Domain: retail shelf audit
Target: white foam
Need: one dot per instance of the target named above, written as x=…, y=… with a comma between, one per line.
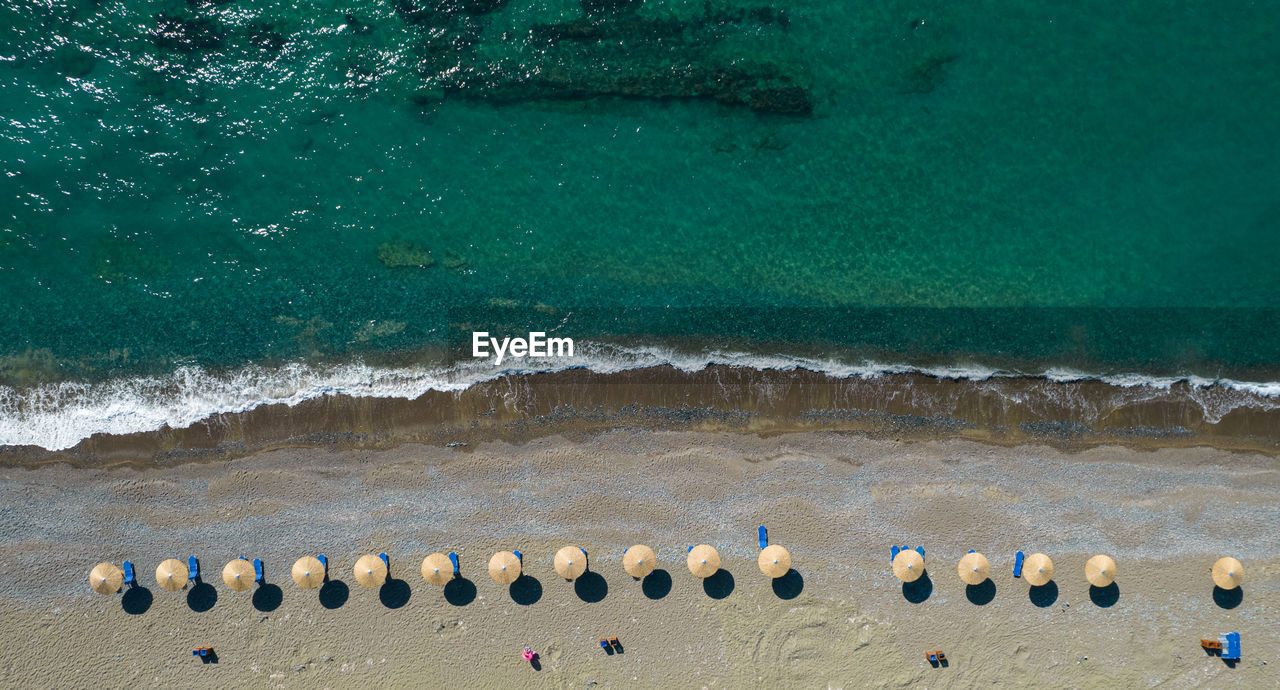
x=58, y=416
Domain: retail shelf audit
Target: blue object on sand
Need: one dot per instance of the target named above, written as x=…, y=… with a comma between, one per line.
x=920, y=550
x=764, y=537
x=128, y=574
x=325, y=563
x=893, y=553
x=257, y=570
x=385, y=562
x=604, y=644
x=193, y=568
x=690, y=548
x=1230, y=646
x=1017, y=564
x=972, y=551
x=519, y=556
x=204, y=651
x=453, y=558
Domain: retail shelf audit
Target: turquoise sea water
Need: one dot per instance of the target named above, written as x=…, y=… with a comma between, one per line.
x=1094, y=186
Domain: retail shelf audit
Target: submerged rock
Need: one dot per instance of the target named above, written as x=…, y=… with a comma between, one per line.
x=404, y=254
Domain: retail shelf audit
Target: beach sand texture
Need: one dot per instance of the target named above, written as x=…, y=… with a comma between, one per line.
x=836, y=501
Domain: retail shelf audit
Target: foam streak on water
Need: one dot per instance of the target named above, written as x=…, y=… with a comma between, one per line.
x=57, y=416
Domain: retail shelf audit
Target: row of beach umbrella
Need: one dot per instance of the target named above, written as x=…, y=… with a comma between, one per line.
x=1037, y=569
x=570, y=562
x=505, y=567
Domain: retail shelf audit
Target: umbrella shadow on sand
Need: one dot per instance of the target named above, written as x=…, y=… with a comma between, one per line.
x=982, y=593
x=788, y=586
x=202, y=597
x=460, y=591
x=591, y=587
x=267, y=597
x=394, y=593
x=1104, y=597
x=719, y=585
x=1044, y=595
x=1227, y=598
x=918, y=591
x=136, y=600
x=656, y=584
x=334, y=593
x=526, y=590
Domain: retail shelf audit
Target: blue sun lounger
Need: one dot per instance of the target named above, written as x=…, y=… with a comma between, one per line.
x=1017, y=564
x=519, y=556
x=128, y=574
x=893, y=552
x=193, y=569
x=764, y=537
x=453, y=558
x=257, y=570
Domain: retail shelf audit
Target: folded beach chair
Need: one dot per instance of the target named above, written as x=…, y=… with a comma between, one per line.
x=193, y=569
x=453, y=558
x=325, y=563
x=1017, y=564
x=1230, y=646
x=764, y=537
x=385, y=562
x=893, y=553
x=920, y=550
x=1211, y=644
x=519, y=556
x=257, y=570
x=604, y=644
x=128, y=574
x=932, y=657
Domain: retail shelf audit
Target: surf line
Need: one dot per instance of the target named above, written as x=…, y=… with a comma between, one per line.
x=537, y=345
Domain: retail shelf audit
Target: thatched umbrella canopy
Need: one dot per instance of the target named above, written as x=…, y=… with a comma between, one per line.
x=1100, y=570
x=908, y=565
x=703, y=561
x=106, y=578
x=639, y=561
x=172, y=575
x=571, y=562
x=437, y=569
x=1037, y=569
x=774, y=561
x=238, y=575
x=974, y=568
x=370, y=571
x=1228, y=573
x=504, y=567
x=308, y=572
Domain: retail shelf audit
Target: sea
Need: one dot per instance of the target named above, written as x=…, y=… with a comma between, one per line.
x=208, y=206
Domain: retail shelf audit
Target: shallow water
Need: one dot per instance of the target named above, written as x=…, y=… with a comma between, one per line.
x=980, y=184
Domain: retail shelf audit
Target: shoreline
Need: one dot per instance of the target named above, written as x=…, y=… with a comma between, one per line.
x=1003, y=411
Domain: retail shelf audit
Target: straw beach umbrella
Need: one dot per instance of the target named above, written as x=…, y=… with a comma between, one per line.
x=1038, y=569
x=437, y=569
x=1228, y=573
x=908, y=565
x=974, y=568
x=1100, y=571
x=504, y=567
x=308, y=572
x=571, y=562
x=370, y=571
x=774, y=561
x=106, y=578
x=171, y=575
x=238, y=575
x=639, y=561
x=703, y=561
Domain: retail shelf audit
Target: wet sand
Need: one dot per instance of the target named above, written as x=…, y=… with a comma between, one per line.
x=1068, y=415
x=836, y=500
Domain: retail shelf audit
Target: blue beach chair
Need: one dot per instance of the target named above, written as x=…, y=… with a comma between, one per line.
x=893, y=553
x=1230, y=646
x=193, y=568
x=324, y=562
x=920, y=550
x=385, y=562
x=129, y=581
x=764, y=537
x=519, y=556
x=1017, y=564
x=257, y=570
x=453, y=558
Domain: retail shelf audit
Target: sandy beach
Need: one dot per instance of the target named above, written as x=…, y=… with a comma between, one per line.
x=837, y=501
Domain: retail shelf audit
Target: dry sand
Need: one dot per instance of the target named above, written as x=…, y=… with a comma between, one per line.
x=837, y=501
